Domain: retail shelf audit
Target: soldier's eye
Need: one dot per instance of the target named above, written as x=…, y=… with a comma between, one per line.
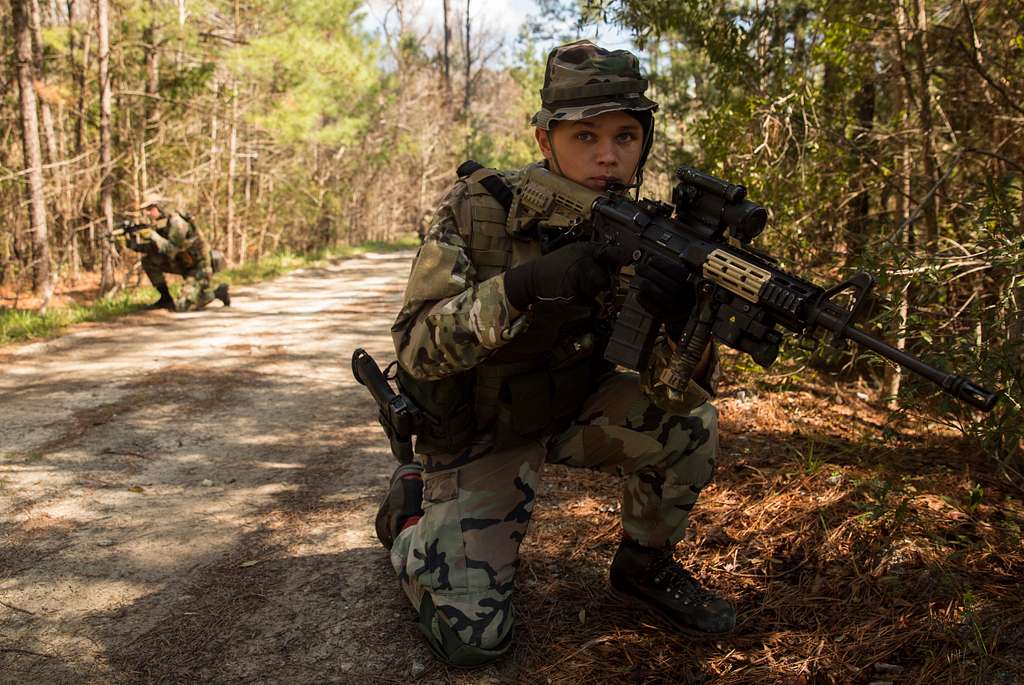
x=626, y=137
x=584, y=136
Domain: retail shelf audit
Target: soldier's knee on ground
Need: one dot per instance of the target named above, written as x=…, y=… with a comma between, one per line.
x=444, y=641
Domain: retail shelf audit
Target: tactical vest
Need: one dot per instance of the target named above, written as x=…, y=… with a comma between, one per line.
x=540, y=378
x=194, y=248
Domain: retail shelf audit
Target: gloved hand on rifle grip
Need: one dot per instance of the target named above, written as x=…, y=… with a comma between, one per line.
x=663, y=290
x=573, y=273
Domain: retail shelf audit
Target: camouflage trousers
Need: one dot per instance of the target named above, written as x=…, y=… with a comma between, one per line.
x=196, y=292
x=457, y=564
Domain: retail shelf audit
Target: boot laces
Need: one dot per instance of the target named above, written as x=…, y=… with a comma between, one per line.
x=673, y=579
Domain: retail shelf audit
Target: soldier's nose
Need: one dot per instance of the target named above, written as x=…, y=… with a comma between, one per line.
x=606, y=154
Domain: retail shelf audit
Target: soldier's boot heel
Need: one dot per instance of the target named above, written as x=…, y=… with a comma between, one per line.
x=222, y=294
x=651, y=578
x=403, y=500
x=165, y=301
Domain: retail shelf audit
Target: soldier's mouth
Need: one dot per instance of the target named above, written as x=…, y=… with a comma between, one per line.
x=601, y=182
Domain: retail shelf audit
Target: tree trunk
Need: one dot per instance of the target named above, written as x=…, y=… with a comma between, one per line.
x=151, y=103
x=107, y=183
x=468, y=56
x=232, y=171
x=447, y=63
x=80, y=78
x=246, y=210
x=49, y=138
x=466, y=94
x=33, y=158
x=214, y=171
x=904, y=205
x=53, y=156
x=151, y=37
x=860, y=208
x=924, y=99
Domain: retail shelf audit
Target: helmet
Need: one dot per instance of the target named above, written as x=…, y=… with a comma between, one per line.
x=582, y=80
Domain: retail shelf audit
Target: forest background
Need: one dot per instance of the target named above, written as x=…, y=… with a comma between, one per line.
x=883, y=135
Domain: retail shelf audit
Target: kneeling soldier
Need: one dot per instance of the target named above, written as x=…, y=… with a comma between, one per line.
x=175, y=245
x=500, y=341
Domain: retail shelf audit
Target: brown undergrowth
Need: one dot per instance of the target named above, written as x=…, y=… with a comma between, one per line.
x=856, y=551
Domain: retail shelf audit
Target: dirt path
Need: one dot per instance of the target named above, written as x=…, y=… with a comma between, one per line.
x=189, y=497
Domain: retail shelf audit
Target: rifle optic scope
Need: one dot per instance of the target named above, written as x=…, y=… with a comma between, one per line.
x=718, y=203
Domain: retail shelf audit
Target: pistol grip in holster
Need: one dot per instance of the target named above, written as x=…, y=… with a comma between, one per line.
x=401, y=446
x=397, y=414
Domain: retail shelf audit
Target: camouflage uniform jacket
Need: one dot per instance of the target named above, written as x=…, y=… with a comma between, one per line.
x=178, y=239
x=455, y=315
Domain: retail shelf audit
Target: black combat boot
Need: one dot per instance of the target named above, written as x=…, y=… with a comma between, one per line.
x=222, y=294
x=403, y=501
x=652, y=578
x=165, y=301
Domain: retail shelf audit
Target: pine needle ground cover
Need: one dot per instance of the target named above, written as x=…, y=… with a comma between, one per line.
x=856, y=552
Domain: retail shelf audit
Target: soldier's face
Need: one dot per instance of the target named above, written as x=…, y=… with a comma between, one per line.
x=152, y=211
x=595, y=151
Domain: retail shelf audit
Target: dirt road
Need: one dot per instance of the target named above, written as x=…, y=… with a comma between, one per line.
x=189, y=497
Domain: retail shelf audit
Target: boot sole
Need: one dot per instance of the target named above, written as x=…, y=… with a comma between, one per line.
x=633, y=601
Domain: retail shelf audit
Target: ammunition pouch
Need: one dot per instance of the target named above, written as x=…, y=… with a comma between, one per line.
x=534, y=401
x=447, y=422
x=517, y=401
x=185, y=258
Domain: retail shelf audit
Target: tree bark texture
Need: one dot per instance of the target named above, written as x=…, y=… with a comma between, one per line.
x=447, y=62
x=107, y=183
x=31, y=149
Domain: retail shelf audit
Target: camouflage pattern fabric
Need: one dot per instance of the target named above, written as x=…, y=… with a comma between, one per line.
x=464, y=550
x=457, y=563
x=196, y=291
x=583, y=80
x=176, y=247
x=453, y=320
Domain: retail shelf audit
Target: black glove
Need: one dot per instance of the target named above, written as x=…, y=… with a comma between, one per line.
x=573, y=273
x=665, y=293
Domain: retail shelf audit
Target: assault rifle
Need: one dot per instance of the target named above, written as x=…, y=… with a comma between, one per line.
x=125, y=229
x=743, y=297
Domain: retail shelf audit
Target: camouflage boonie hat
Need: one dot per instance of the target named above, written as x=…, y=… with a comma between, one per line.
x=152, y=199
x=583, y=80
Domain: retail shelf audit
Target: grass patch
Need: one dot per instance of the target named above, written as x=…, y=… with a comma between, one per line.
x=25, y=324
x=282, y=263
x=17, y=325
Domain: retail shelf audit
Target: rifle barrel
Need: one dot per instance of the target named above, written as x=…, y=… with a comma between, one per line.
x=958, y=386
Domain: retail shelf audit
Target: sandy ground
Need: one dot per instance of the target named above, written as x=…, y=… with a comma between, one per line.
x=189, y=497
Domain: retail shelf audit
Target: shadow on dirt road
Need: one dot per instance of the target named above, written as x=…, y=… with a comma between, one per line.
x=190, y=497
